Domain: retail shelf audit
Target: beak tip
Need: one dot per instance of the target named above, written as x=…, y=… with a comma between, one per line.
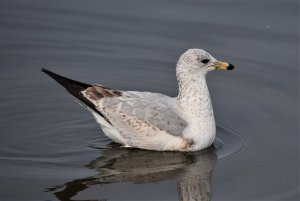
x=230, y=67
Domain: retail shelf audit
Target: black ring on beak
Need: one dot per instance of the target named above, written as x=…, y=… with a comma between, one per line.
x=230, y=67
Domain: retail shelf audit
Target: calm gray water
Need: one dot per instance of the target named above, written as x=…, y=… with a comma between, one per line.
x=52, y=149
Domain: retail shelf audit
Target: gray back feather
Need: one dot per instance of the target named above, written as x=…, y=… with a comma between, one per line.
x=152, y=108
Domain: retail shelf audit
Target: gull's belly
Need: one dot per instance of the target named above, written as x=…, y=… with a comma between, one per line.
x=202, y=133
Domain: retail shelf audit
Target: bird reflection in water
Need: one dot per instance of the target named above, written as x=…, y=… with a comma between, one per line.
x=192, y=171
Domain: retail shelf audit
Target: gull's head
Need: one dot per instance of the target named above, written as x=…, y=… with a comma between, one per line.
x=198, y=60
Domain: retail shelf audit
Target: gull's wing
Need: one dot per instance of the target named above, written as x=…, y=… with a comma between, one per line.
x=143, y=119
x=154, y=109
x=139, y=119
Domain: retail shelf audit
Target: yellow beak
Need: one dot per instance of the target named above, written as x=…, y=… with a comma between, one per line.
x=222, y=65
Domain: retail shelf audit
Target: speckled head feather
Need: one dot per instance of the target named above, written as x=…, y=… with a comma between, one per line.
x=195, y=61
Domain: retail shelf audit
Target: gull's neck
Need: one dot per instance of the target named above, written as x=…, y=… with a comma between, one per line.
x=193, y=97
x=194, y=104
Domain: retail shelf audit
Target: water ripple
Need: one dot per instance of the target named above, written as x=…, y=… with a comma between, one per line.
x=230, y=143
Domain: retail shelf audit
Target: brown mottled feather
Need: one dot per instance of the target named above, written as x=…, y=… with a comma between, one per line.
x=97, y=92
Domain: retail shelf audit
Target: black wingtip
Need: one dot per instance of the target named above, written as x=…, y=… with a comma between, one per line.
x=48, y=72
x=66, y=82
x=53, y=75
x=44, y=70
x=75, y=88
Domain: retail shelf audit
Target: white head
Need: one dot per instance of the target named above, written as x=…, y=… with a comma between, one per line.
x=195, y=61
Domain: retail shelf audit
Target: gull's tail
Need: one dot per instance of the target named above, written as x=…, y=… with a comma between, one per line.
x=73, y=87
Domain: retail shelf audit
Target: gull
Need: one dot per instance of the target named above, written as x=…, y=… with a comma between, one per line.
x=154, y=121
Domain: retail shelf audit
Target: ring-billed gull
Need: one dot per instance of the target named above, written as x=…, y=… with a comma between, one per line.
x=151, y=120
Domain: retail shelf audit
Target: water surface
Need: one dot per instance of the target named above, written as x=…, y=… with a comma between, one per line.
x=52, y=149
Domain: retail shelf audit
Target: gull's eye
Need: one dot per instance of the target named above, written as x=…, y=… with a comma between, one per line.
x=205, y=61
